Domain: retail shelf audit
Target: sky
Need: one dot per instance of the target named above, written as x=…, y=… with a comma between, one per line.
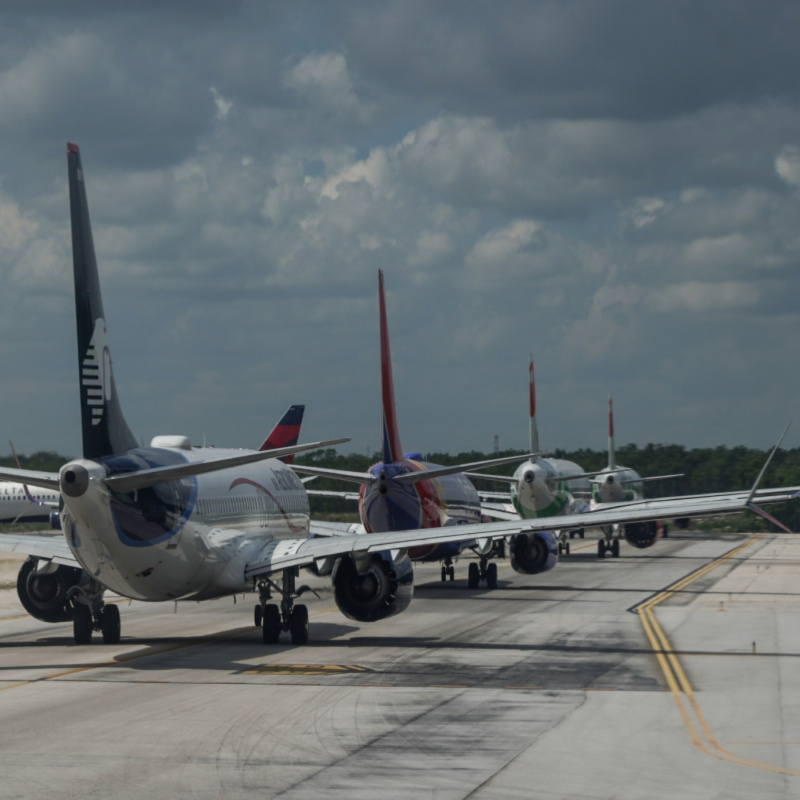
x=611, y=187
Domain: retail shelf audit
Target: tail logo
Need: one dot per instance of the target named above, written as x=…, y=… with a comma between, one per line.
x=96, y=372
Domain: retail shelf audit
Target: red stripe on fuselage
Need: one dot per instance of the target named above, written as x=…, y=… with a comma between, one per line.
x=248, y=482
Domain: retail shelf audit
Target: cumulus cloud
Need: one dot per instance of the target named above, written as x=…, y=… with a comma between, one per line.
x=787, y=165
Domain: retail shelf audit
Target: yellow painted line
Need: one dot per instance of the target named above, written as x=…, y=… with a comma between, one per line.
x=678, y=681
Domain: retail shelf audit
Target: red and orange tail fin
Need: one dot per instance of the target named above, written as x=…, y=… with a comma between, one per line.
x=392, y=449
x=286, y=432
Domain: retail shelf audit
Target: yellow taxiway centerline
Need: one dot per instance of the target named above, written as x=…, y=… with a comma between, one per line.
x=698, y=729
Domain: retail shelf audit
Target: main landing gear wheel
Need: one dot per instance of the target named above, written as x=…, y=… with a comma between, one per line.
x=451, y=572
x=258, y=615
x=288, y=617
x=298, y=625
x=271, y=624
x=82, y=624
x=615, y=548
x=473, y=575
x=491, y=576
x=444, y=574
x=601, y=548
x=110, y=625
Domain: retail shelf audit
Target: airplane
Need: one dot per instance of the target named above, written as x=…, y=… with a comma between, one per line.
x=616, y=484
x=19, y=504
x=404, y=492
x=541, y=487
x=170, y=522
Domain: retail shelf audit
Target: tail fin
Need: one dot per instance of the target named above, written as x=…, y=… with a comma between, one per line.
x=612, y=461
x=105, y=431
x=532, y=398
x=392, y=449
x=286, y=432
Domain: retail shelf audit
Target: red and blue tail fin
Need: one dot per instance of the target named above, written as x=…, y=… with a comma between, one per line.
x=392, y=449
x=105, y=431
x=286, y=432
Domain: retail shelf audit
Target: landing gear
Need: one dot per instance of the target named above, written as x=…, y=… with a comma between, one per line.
x=578, y=532
x=92, y=614
x=110, y=625
x=563, y=548
x=288, y=617
x=448, y=571
x=484, y=570
x=608, y=544
x=82, y=625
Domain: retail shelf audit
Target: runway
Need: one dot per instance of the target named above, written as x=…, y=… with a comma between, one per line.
x=591, y=681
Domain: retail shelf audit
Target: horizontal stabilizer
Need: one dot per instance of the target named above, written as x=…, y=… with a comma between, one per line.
x=130, y=481
x=654, y=478
x=336, y=474
x=426, y=475
x=45, y=480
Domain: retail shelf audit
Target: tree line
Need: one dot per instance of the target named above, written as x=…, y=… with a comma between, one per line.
x=708, y=469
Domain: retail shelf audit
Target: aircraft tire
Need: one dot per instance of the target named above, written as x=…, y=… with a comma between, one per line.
x=444, y=573
x=491, y=576
x=566, y=549
x=615, y=548
x=580, y=533
x=82, y=624
x=298, y=626
x=601, y=548
x=258, y=615
x=666, y=532
x=473, y=575
x=451, y=572
x=271, y=624
x=110, y=624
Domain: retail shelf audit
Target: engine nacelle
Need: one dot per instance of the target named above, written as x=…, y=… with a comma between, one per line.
x=45, y=592
x=380, y=589
x=642, y=534
x=532, y=553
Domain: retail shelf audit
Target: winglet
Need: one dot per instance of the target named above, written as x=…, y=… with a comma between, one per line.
x=766, y=464
x=286, y=432
x=749, y=503
x=105, y=431
x=392, y=449
x=534, y=448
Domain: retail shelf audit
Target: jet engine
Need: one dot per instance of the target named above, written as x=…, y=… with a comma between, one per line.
x=642, y=534
x=532, y=553
x=377, y=589
x=44, y=592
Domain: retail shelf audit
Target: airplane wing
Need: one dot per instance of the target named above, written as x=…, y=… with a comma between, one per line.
x=49, y=547
x=321, y=528
x=44, y=480
x=278, y=555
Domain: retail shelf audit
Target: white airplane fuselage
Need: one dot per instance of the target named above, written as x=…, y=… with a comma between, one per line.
x=539, y=490
x=622, y=485
x=15, y=504
x=185, y=539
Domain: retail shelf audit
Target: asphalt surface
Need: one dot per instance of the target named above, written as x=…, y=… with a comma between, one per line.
x=552, y=686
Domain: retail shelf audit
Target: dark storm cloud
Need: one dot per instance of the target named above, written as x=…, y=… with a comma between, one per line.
x=580, y=59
